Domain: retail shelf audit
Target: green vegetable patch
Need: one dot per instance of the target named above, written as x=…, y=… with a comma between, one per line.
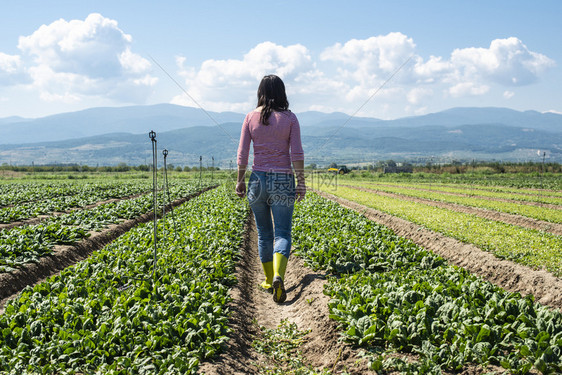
x=399, y=301
x=81, y=321
x=533, y=248
x=25, y=244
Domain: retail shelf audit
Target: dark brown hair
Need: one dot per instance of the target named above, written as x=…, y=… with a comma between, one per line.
x=271, y=97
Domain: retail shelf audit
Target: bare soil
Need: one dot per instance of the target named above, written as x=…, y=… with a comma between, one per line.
x=545, y=287
x=11, y=283
x=306, y=306
x=522, y=221
x=7, y=174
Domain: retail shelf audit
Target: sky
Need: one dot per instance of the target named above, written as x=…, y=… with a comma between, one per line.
x=383, y=59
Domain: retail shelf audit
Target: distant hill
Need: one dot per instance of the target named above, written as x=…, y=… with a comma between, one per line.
x=98, y=121
x=108, y=136
x=472, y=116
x=12, y=120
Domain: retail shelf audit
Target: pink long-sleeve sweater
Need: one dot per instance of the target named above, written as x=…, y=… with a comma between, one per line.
x=275, y=145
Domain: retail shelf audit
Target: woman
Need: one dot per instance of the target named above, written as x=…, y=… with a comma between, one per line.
x=275, y=132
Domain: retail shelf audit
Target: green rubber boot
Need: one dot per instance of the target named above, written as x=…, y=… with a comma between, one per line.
x=279, y=267
x=268, y=271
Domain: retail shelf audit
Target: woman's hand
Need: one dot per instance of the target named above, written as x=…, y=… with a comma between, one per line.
x=298, y=166
x=241, y=182
x=301, y=191
x=241, y=189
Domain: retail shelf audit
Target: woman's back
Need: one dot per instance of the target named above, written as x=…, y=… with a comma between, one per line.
x=276, y=145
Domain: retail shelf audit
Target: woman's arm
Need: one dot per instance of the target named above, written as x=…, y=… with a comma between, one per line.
x=242, y=157
x=297, y=156
x=298, y=166
x=241, y=182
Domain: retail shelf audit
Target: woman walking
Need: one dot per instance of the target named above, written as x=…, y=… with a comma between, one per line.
x=275, y=132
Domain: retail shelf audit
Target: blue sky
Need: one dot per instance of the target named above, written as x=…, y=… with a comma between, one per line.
x=60, y=56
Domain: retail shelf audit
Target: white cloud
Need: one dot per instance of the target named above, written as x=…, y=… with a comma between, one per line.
x=232, y=84
x=9, y=63
x=361, y=67
x=79, y=60
x=468, y=88
x=365, y=64
x=90, y=47
x=417, y=94
x=471, y=71
x=434, y=70
x=373, y=56
x=11, y=69
x=507, y=62
x=75, y=59
x=508, y=94
x=133, y=63
x=345, y=75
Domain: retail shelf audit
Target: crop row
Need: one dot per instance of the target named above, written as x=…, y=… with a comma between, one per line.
x=81, y=321
x=550, y=181
x=74, y=198
x=103, y=215
x=530, y=247
x=473, y=189
x=535, y=212
x=28, y=243
x=17, y=193
x=494, y=193
x=391, y=296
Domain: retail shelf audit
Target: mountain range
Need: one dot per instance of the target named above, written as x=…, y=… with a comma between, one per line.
x=109, y=136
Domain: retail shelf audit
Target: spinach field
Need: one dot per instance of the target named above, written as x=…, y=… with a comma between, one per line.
x=85, y=288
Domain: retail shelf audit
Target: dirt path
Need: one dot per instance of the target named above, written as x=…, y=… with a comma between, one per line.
x=11, y=283
x=306, y=306
x=528, y=203
x=522, y=221
x=511, y=276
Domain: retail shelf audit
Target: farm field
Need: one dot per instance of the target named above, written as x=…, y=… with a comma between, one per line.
x=539, y=206
x=23, y=200
x=80, y=320
x=392, y=296
x=484, y=208
x=526, y=245
x=397, y=306
x=26, y=243
x=506, y=181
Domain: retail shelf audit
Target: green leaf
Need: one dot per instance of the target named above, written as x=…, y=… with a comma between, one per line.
x=541, y=365
x=484, y=333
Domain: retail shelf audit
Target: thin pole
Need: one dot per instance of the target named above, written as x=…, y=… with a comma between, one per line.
x=542, y=169
x=164, y=234
x=152, y=136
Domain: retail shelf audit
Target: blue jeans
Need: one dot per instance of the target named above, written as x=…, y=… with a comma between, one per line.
x=272, y=194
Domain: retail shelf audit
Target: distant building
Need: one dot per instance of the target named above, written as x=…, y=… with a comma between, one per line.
x=398, y=168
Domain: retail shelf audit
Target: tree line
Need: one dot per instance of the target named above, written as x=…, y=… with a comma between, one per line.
x=121, y=167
